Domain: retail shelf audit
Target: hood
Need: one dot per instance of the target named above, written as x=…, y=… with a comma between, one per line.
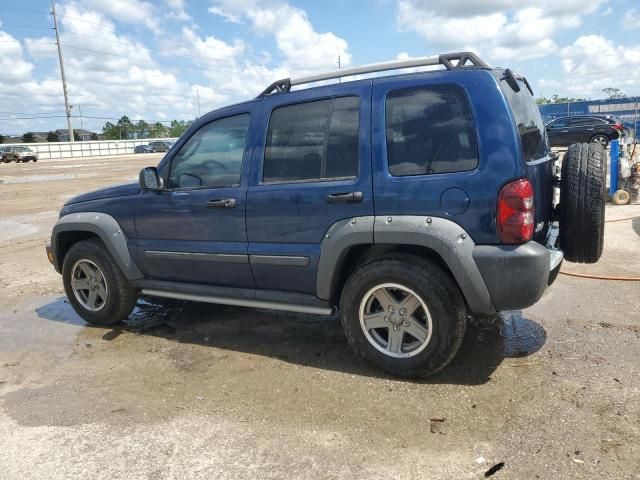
x=108, y=192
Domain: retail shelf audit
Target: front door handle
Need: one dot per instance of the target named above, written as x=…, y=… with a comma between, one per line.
x=347, y=197
x=222, y=203
x=564, y=131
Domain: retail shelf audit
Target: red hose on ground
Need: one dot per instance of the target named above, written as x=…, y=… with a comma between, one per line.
x=606, y=277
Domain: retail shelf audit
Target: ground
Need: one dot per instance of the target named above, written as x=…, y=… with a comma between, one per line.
x=201, y=391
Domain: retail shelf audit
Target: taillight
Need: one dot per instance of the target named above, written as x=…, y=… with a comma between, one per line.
x=617, y=126
x=515, y=212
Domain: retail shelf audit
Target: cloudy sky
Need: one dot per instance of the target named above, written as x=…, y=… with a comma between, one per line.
x=150, y=59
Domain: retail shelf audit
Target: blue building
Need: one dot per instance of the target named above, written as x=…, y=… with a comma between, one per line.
x=625, y=109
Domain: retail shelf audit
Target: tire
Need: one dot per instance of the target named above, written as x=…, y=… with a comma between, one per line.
x=582, y=202
x=121, y=297
x=600, y=139
x=432, y=286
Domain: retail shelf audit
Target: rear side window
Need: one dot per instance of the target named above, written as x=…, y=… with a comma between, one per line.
x=313, y=141
x=533, y=135
x=430, y=130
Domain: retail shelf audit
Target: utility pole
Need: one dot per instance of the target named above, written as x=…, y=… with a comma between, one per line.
x=64, y=81
x=198, y=94
x=339, y=66
x=81, y=124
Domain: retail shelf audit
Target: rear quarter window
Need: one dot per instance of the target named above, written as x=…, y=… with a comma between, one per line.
x=526, y=113
x=429, y=130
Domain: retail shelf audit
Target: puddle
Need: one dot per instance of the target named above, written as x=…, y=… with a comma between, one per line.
x=513, y=336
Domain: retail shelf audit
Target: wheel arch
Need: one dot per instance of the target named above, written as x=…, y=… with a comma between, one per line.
x=348, y=243
x=76, y=227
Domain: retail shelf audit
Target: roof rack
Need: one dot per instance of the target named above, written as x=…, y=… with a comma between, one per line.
x=451, y=61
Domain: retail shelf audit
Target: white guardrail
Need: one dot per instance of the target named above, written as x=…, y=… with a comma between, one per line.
x=90, y=148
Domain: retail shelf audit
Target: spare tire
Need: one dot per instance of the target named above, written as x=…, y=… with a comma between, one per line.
x=582, y=202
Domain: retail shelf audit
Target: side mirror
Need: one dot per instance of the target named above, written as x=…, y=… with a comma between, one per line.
x=149, y=179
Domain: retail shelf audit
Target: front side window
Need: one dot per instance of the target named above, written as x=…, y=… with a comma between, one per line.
x=212, y=157
x=429, y=130
x=313, y=141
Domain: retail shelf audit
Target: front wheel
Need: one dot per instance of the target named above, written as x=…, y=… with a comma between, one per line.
x=404, y=314
x=95, y=286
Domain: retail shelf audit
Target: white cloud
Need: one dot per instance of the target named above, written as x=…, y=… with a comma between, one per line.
x=127, y=11
x=500, y=29
x=594, y=62
x=13, y=66
x=631, y=19
x=303, y=48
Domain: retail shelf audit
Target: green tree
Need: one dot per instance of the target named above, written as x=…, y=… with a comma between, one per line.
x=178, y=127
x=52, y=136
x=141, y=129
x=555, y=98
x=158, y=130
x=126, y=127
x=1, y=138
x=77, y=135
x=110, y=131
x=613, y=93
x=28, y=138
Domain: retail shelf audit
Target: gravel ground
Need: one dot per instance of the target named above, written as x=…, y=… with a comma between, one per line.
x=184, y=390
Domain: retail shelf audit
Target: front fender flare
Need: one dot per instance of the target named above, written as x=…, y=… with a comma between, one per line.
x=107, y=229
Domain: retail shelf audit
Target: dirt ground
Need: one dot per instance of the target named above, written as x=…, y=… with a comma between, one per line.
x=186, y=390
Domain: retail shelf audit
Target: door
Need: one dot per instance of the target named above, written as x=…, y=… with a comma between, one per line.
x=194, y=230
x=558, y=131
x=580, y=129
x=312, y=170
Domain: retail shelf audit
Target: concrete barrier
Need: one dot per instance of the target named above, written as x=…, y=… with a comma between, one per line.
x=92, y=148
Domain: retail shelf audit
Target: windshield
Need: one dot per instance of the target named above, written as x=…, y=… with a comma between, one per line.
x=533, y=136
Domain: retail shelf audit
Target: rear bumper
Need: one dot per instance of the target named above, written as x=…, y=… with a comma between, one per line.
x=516, y=276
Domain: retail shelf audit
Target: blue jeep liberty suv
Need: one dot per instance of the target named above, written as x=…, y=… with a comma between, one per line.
x=408, y=202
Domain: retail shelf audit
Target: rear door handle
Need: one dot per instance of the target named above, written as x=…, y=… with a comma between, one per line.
x=589, y=129
x=347, y=197
x=564, y=131
x=222, y=203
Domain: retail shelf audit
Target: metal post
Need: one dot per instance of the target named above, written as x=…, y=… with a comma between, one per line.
x=198, y=94
x=339, y=67
x=615, y=166
x=81, y=124
x=64, y=81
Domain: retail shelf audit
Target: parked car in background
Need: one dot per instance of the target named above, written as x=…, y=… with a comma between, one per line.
x=19, y=154
x=160, y=146
x=600, y=129
x=143, y=149
x=2, y=150
x=391, y=199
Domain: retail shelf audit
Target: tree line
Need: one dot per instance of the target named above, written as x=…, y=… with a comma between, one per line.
x=123, y=129
x=610, y=92
x=126, y=129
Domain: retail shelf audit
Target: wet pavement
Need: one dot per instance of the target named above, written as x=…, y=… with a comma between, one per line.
x=186, y=390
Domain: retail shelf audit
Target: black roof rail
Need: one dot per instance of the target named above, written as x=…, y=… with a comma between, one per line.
x=451, y=61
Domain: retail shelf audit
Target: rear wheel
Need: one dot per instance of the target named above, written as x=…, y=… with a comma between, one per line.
x=95, y=286
x=582, y=202
x=600, y=140
x=403, y=314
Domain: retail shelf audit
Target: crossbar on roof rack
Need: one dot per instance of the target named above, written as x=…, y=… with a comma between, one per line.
x=451, y=61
